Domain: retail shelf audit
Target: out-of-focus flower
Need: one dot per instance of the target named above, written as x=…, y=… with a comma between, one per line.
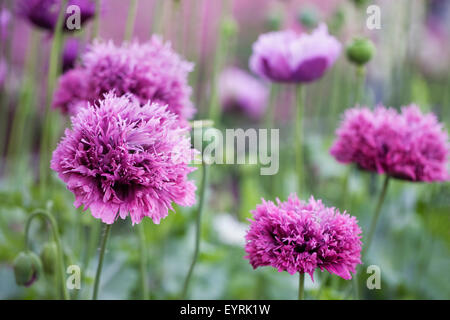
x=27, y=268
x=120, y=158
x=407, y=145
x=44, y=13
x=360, y=51
x=150, y=71
x=433, y=54
x=295, y=236
x=5, y=18
x=239, y=91
x=229, y=230
x=284, y=56
x=70, y=53
x=71, y=94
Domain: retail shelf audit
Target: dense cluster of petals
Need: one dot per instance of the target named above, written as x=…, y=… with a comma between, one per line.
x=406, y=145
x=121, y=158
x=297, y=236
x=151, y=71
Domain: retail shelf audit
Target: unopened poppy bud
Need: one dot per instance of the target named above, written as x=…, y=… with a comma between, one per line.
x=308, y=18
x=274, y=20
x=360, y=51
x=229, y=27
x=49, y=256
x=27, y=268
x=359, y=3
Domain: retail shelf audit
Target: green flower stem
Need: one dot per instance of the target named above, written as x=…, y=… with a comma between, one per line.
x=299, y=139
x=94, y=234
x=143, y=261
x=301, y=286
x=156, y=17
x=371, y=233
x=270, y=115
x=197, y=229
x=53, y=70
x=220, y=58
x=324, y=278
x=376, y=215
x=60, y=270
x=16, y=141
x=104, y=240
x=132, y=11
x=360, y=84
x=96, y=24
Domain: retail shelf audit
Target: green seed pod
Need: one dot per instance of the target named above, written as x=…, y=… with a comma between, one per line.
x=274, y=20
x=49, y=256
x=229, y=27
x=360, y=51
x=27, y=268
x=360, y=3
x=308, y=18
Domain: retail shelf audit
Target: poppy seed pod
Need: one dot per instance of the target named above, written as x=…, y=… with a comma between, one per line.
x=360, y=51
x=49, y=255
x=308, y=18
x=27, y=268
x=229, y=27
x=359, y=3
x=274, y=20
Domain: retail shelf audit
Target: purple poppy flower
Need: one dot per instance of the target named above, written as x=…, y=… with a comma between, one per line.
x=44, y=13
x=295, y=236
x=122, y=159
x=284, y=56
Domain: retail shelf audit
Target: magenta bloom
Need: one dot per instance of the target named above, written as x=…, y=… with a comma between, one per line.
x=71, y=94
x=44, y=13
x=240, y=92
x=295, y=236
x=70, y=53
x=5, y=19
x=284, y=56
x=120, y=158
x=150, y=71
x=407, y=145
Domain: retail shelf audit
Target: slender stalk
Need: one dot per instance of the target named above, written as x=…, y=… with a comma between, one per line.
x=360, y=85
x=94, y=233
x=220, y=58
x=355, y=286
x=18, y=128
x=322, y=285
x=143, y=261
x=54, y=66
x=130, y=20
x=60, y=260
x=301, y=286
x=197, y=229
x=156, y=16
x=299, y=139
x=270, y=115
x=376, y=214
x=100, y=260
x=96, y=24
